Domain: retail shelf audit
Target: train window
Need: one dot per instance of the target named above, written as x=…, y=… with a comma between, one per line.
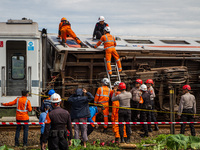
x=174, y=42
x=131, y=41
x=18, y=67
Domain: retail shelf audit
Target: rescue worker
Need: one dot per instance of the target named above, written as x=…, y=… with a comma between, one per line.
x=60, y=25
x=144, y=104
x=65, y=29
x=23, y=105
x=136, y=93
x=80, y=112
x=109, y=46
x=150, y=90
x=98, y=30
x=102, y=97
x=47, y=102
x=55, y=126
x=124, y=114
x=115, y=116
x=187, y=105
x=94, y=110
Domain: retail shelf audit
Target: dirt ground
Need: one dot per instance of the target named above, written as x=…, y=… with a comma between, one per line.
x=7, y=137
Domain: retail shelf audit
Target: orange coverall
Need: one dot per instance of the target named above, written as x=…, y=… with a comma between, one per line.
x=115, y=117
x=102, y=97
x=65, y=30
x=23, y=106
x=109, y=46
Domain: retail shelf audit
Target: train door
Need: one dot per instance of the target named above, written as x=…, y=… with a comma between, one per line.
x=16, y=67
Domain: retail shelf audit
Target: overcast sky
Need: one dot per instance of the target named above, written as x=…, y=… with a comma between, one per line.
x=179, y=18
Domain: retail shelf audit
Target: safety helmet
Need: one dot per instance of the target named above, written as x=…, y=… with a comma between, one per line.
x=186, y=87
x=101, y=18
x=117, y=83
x=143, y=87
x=63, y=18
x=51, y=92
x=139, y=81
x=105, y=81
x=122, y=86
x=149, y=81
x=107, y=29
x=55, y=98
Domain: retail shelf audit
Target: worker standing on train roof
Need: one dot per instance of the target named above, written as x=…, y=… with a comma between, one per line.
x=99, y=27
x=136, y=93
x=55, y=126
x=102, y=97
x=145, y=104
x=115, y=116
x=23, y=105
x=65, y=29
x=60, y=25
x=150, y=90
x=109, y=46
x=124, y=114
x=187, y=105
x=47, y=102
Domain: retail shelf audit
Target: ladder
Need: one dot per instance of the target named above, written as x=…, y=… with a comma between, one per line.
x=115, y=76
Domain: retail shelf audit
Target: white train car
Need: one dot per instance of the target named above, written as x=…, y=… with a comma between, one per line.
x=20, y=60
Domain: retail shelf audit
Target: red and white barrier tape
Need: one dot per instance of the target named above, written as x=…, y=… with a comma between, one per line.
x=100, y=123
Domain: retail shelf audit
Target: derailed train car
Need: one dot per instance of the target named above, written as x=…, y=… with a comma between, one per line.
x=36, y=61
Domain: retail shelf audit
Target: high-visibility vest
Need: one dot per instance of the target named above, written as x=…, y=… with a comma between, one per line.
x=25, y=108
x=102, y=95
x=141, y=100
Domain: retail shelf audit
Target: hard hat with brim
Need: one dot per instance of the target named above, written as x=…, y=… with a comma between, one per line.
x=55, y=98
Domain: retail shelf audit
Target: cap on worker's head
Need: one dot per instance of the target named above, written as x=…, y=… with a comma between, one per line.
x=143, y=87
x=139, y=81
x=55, y=98
x=51, y=92
x=101, y=106
x=63, y=18
x=101, y=18
x=117, y=83
x=107, y=29
x=149, y=81
x=105, y=81
x=24, y=92
x=186, y=87
x=122, y=86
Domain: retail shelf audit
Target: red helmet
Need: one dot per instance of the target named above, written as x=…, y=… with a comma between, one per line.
x=186, y=87
x=122, y=86
x=149, y=81
x=139, y=81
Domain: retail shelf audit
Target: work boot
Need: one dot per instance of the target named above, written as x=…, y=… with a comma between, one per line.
x=105, y=130
x=125, y=139
x=144, y=135
x=156, y=127
x=150, y=130
x=63, y=42
x=128, y=139
x=83, y=45
x=116, y=140
x=122, y=140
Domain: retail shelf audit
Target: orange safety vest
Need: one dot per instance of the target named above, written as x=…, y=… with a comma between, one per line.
x=102, y=95
x=23, y=106
x=141, y=100
x=109, y=41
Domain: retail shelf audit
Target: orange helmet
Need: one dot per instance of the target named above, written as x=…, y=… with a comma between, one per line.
x=186, y=87
x=63, y=18
x=149, y=81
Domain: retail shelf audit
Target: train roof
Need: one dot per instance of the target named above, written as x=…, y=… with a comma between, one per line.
x=134, y=43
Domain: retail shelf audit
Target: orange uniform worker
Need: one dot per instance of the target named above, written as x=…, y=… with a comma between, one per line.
x=60, y=25
x=115, y=116
x=65, y=29
x=109, y=46
x=102, y=97
x=23, y=106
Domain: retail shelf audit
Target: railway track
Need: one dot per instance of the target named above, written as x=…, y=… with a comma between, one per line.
x=37, y=127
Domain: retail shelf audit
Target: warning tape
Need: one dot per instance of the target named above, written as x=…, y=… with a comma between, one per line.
x=166, y=112
x=99, y=123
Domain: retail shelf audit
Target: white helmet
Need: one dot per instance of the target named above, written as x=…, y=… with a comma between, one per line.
x=105, y=81
x=143, y=87
x=116, y=83
x=101, y=18
x=55, y=98
x=107, y=29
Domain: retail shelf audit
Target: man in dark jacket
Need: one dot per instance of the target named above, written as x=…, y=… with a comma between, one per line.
x=80, y=112
x=98, y=30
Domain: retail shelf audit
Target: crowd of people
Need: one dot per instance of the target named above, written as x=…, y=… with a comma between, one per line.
x=57, y=127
